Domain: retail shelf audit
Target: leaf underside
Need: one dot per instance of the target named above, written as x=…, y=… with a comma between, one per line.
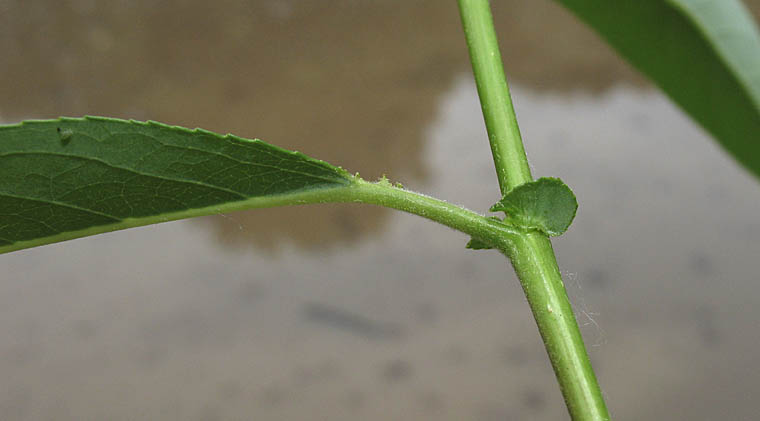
x=63, y=177
x=475, y=244
x=705, y=54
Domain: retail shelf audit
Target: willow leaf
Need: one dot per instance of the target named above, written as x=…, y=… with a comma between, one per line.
x=705, y=54
x=68, y=178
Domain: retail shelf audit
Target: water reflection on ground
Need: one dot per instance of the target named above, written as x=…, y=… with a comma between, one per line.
x=352, y=82
x=408, y=324
x=162, y=322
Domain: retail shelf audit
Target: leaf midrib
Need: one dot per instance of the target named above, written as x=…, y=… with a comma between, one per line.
x=167, y=178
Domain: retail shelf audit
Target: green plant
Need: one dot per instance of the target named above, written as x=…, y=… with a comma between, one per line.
x=75, y=152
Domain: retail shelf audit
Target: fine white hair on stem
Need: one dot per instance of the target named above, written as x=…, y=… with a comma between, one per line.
x=574, y=290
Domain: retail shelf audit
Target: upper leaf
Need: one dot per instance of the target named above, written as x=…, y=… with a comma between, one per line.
x=546, y=204
x=66, y=178
x=704, y=54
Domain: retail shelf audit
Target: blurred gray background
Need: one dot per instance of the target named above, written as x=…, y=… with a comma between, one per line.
x=355, y=312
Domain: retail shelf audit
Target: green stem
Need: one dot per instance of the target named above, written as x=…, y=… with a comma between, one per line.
x=536, y=266
x=503, y=133
x=532, y=255
x=498, y=234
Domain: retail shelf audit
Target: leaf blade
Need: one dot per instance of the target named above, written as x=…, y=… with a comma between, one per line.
x=734, y=35
x=546, y=205
x=66, y=178
x=704, y=55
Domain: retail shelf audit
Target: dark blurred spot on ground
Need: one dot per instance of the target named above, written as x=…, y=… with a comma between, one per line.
x=397, y=370
x=707, y=327
x=597, y=278
x=701, y=265
x=353, y=323
x=534, y=399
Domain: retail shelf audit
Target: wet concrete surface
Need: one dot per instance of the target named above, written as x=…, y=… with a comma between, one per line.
x=353, y=312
